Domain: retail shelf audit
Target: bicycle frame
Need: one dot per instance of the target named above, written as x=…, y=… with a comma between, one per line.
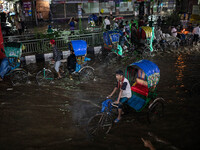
x=44, y=72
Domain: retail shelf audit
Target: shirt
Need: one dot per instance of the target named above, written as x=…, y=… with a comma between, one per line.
x=56, y=54
x=106, y=22
x=125, y=86
x=196, y=31
x=174, y=32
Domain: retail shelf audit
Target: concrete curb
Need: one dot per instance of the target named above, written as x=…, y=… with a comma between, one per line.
x=46, y=57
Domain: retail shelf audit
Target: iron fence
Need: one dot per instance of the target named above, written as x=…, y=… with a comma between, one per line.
x=42, y=45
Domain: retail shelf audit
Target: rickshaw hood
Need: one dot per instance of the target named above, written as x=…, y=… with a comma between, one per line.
x=79, y=47
x=147, y=66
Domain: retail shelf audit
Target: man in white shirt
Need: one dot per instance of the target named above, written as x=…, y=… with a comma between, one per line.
x=174, y=31
x=125, y=92
x=107, y=23
x=196, y=33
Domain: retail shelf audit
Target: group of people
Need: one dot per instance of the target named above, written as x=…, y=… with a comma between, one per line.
x=195, y=30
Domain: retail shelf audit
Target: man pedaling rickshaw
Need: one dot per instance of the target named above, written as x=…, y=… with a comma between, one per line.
x=125, y=89
x=124, y=94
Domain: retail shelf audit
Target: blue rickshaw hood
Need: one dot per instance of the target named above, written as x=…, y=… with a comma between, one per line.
x=79, y=47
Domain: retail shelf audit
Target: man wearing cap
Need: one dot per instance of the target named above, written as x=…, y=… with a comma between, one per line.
x=56, y=57
x=124, y=94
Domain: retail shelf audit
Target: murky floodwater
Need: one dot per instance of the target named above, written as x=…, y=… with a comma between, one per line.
x=54, y=117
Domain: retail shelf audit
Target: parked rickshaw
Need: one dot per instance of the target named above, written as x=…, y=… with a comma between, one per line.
x=13, y=51
x=146, y=36
x=111, y=49
x=144, y=76
x=82, y=70
x=92, y=20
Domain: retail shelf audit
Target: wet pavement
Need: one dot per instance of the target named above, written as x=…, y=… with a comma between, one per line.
x=55, y=116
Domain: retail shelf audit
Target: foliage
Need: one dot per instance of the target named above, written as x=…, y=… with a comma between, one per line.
x=54, y=35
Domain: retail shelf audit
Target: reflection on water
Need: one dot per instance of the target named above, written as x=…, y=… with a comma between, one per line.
x=180, y=67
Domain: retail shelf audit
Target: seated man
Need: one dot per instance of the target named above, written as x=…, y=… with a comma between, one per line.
x=124, y=94
x=71, y=63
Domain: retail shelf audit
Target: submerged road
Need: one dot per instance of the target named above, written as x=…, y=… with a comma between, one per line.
x=55, y=116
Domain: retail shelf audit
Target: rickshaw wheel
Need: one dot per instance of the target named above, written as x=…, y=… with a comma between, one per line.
x=44, y=77
x=18, y=77
x=156, y=111
x=111, y=58
x=86, y=74
x=146, y=52
x=99, y=125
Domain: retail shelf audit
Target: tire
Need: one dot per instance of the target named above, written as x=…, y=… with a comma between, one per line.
x=86, y=74
x=112, y=58
x=19, y=77
x=156, y=111
x=99, y=125
x=44, y=77
x=146, y=52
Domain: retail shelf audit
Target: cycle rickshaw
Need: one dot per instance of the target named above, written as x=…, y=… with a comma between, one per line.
x=143, y=75
x=13, y=51
x=146, y=36
x=111, y=49
x=82, y=70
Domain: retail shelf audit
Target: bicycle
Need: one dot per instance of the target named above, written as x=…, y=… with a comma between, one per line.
x=46, y=75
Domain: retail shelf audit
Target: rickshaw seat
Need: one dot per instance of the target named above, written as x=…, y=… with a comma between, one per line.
x=136, y=102
x=140, y=87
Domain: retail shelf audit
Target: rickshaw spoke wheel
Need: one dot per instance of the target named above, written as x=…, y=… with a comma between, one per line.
x=19, y=77
x=99, y=125
x=111, y=58
x=156, y=111
x=44, y=77
x=86, y=74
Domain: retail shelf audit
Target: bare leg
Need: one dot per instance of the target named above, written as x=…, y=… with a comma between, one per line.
x=119, y=114
x=59, y=76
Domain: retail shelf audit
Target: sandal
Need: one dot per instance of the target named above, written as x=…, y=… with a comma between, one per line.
x=117, y=120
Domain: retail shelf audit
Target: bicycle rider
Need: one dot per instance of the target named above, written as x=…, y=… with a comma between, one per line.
x=124, y=94
x=56, y=57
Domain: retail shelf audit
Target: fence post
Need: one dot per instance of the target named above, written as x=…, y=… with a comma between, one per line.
x=93, y=39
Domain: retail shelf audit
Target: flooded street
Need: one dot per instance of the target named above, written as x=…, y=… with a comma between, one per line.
x=55, y=116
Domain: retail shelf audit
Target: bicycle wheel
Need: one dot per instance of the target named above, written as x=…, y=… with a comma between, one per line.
x=156, y=111
x=112, y=58
x=99, y=125
x=18, y=77
x=44, y=76
x=86, y=74
x=146, y=52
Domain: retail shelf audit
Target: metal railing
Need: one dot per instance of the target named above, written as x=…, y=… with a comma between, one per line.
x=42, y=45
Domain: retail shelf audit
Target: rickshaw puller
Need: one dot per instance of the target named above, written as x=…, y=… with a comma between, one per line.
x=56, y=57
x=124, y=94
